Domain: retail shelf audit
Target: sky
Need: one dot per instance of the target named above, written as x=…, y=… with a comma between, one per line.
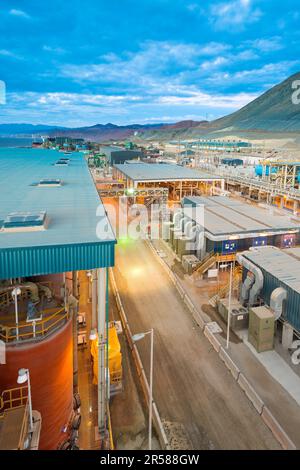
x=76, y=63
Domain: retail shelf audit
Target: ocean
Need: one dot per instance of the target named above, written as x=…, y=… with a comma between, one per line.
x=15, y=141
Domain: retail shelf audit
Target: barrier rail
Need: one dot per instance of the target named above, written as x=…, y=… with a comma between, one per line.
x=13, y=398
x=138, y=363
x=37, y=328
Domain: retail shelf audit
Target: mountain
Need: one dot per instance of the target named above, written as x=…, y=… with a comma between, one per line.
x=28, y=129
x=107, y=132
x=274, y=110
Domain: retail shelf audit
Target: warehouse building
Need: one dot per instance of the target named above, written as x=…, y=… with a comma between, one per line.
x=276, y=281
x=52, y=224
x=119, y=155
x=179, y=181
x=229, y=225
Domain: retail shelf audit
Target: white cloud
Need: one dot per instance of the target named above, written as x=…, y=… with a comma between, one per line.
x=7, y=53
x=55, y=50
x=19, y=13
x=234, y=15
x=266, y=44
x=152, y=59
x=233, y=101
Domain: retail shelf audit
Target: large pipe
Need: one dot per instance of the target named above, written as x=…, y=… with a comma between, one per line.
x=276, y=301
x=259, y=278
x=101, y=287
x=30, y=286
x=46, y=290
x=245, y=288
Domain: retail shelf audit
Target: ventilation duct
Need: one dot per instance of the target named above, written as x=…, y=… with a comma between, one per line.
x=257, y=286
x=276, y=301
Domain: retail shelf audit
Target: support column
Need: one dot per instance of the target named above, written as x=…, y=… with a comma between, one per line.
x=295, y=208
x=101, y=288
x=287, y=335
x=74, y=306
x=94, y=299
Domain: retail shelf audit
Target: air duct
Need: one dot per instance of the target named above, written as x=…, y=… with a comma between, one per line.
x=29, y=286
x=257, y=286
x=177, y=217
x=46, y=291
x=276, y=301
x=246, y=286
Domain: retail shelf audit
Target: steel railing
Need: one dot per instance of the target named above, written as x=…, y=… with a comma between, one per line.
x=35, y=329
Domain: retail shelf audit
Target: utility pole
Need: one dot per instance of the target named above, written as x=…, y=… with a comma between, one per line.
x=229, y=306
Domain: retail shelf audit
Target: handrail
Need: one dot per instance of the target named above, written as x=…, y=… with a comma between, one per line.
x=111, y=440
x=39, y=327
x=10, y=397
x=201, y=263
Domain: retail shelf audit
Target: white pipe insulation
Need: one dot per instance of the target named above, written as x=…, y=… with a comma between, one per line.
x=276, y=301
x=257, y=286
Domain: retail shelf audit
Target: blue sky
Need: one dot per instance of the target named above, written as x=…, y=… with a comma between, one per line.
x=124, y=61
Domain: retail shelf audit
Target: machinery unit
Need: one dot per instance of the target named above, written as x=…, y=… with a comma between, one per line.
x=166, y=227
x=174, y=235
x=261, y=328
x=183, y=246
x=189, y=263
x=239, y=315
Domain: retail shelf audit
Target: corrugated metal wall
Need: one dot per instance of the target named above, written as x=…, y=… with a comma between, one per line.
x=30, y=261
x=292, y=304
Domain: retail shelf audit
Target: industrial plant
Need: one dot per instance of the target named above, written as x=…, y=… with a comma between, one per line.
x=224, y=254
x=149, y=232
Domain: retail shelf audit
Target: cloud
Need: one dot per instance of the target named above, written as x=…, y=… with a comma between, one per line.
x=266, y=44
x=234, y=15
x=19, y=13
x=231, y=101
x=265, y=76
x=55, y=50
x=7, y=53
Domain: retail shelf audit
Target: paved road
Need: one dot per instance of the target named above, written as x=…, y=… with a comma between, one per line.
x=195, y=393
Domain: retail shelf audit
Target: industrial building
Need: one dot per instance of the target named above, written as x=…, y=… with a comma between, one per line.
x=119, y=155
x=52, y=224
x=275, y=279
x=227, y=219
x=179, y=181
x=224, y=226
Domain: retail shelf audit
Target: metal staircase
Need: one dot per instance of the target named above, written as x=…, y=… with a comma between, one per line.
x=224, y=291
x=205, y=264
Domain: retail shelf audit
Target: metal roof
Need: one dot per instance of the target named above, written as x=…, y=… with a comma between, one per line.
x=162, y=172
x=224, y=216
x=281, y=264
x=70, y=241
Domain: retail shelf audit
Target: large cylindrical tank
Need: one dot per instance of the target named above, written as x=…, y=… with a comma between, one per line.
x=50, y=363
x=259, y=170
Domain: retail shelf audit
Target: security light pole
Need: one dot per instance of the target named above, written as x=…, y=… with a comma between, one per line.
x=229, y=306
x=15, y=292
x=136, y=338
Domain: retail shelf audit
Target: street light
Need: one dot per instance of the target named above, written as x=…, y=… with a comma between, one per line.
x=93, y=334
x=24, y=376
x=229, y=306
x=15, y=292
x=136, y=338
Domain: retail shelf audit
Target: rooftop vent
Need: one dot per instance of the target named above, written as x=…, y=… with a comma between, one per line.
x=25, y=221
x=62, y=162
x=50, y=182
